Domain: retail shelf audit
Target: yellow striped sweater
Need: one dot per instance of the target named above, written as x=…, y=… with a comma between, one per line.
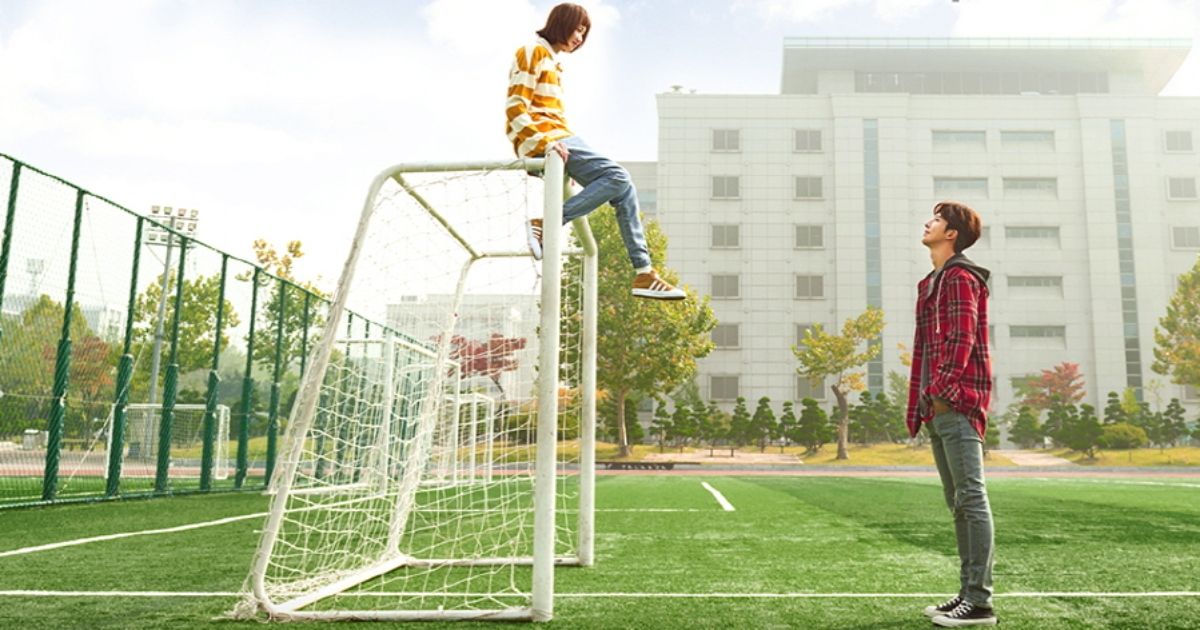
x=534, y=107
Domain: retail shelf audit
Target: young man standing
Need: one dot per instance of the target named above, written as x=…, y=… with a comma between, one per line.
x=536, y=124
x=949, y=393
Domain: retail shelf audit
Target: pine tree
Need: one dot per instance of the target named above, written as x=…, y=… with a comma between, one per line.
x=662, y=425
x=740, y=430
x=1026, y=432
x=787, y=425
x=1114, y=411
x=763, y=424
x=813, y=429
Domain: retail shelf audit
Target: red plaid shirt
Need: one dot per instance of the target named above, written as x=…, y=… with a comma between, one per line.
x=952, y=325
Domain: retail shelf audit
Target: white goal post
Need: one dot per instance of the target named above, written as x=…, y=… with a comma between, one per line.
x=439, y=462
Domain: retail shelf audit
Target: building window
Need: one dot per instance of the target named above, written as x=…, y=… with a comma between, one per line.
x=1190, y=392
x=1179, y=141
x=726, y=336
x=726, y=187
x=1027, y=140
x=800, y=330
x=1181, y=188
x=1035, y=285
x=808, y=187
x=807, y=141
x=1021, y=383
x=810, y=237
x=726, y=236
x=726, y=140
x=1031, y=232
x=1039, y=186
x=959, y=138
x=1185, y=237
x=960, y=186
x=1037, y=332
x=813, y=388
x=724, y=387
x=726, y=286
x=810, y=287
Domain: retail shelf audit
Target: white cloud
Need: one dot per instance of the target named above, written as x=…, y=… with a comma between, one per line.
x=794, y=10
x=1076, y=18
x=814, y=11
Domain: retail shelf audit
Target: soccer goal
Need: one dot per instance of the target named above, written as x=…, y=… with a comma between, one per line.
x=187, y=441
x=438, y=463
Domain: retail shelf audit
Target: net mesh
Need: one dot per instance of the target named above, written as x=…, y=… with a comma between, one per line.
x=413, y=481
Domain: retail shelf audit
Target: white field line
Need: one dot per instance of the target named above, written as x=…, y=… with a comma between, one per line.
x=725, y=504
x=145, y=532
x=1013, y=595
x=234, y=519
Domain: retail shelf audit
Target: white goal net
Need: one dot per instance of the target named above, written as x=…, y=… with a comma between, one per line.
x=431, y=467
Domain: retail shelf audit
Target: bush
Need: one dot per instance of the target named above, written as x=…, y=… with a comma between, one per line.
x=1123, y=435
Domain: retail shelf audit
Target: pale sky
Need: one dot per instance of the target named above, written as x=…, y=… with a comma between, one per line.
x=272, y=116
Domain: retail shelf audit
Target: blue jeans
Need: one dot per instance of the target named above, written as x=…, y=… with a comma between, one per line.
x=958, y=452
x=605, y=181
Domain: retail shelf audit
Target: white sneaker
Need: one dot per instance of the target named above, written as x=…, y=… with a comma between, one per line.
x=533, y=235
x=649, y=285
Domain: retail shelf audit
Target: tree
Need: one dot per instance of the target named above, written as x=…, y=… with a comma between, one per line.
x=787, y=425
x=27, y=362
x=813, y=429
x=1122, y=435
x=281, y=264
x=1082, y=430
x=763, y=426
x=610, y=416
x=1177, y=336
x=1062, y=385
x=197, y=320
x=713, y=427
x=740, y=430
x=1174, y=423
x=643, y=345
x=661, y=425
x=685, y=422
x=991, y=439
x=1026, y=431
x=1114, y=412
x=822, y=355
x=1057, y=419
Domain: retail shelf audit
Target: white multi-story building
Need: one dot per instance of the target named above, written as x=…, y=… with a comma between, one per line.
x=806, y=206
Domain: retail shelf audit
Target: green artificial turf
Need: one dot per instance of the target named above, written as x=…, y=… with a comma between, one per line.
x=789, y=536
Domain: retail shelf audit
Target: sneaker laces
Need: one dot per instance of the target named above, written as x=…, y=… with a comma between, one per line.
x=961, y=611
x=951, y=604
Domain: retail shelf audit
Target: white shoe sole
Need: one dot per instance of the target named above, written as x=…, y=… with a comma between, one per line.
x=932, y=611
x=677, y=294
x=945, y=622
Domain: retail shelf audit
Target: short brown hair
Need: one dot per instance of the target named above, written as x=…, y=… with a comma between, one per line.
x=964, y=220
x=562, y=22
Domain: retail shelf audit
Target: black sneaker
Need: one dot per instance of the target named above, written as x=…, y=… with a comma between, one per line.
x=944, y=607
x=966, y=614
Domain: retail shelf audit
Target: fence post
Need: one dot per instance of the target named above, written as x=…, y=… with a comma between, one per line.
x=273, y=413
x=116, y=446
x=62, y=367
x=170, y=384
x=304, y=334
x=6, y=249
x=247, y=390
x=210, y=396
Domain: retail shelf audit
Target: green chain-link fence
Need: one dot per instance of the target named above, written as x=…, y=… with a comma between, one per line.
x=134, y=359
